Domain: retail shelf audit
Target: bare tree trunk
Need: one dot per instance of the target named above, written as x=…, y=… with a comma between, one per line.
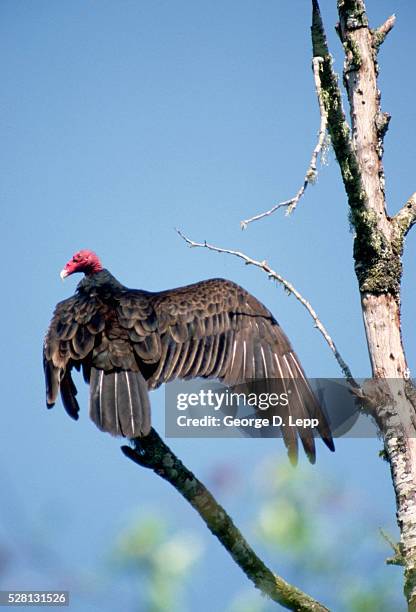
x=378, y=247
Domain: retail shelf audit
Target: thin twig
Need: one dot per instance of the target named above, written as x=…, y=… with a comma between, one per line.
x=263, y=265
x=312, y=172
x=151, y=452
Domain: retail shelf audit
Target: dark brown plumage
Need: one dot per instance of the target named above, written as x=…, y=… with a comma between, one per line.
x=128, y=341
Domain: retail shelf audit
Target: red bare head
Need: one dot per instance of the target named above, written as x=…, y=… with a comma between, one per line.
x=84, y=261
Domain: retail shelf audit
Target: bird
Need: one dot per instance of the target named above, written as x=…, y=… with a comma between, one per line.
x=128, y=341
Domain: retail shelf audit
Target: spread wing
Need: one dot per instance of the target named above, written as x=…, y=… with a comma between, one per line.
x=212, y=329
x=216, y=329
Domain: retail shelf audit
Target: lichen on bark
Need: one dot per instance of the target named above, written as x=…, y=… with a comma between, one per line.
x=356, y=13
x=378, y=264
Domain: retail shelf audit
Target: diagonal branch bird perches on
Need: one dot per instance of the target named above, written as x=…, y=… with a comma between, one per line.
x=151, y=452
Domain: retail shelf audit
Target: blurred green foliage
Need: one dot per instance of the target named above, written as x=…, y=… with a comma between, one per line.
x=158, y=560
x=298, y=527
x=301, y=521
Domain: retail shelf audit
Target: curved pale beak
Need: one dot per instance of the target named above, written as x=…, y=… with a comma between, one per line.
x=63, y=274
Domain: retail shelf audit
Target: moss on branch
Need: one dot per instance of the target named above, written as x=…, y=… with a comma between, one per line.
x=354, y=10
x=337, y=124
x=377, y=258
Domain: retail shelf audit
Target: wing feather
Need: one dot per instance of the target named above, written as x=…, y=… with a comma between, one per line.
x=230, y=335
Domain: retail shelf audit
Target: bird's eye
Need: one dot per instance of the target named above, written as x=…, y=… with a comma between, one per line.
x=76, y=258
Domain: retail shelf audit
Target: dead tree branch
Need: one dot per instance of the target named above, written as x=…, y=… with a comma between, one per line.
x=311, y=172
x=378, y=246
x=263, y=265
x=381, y=32
x=338, y=127
x=406, y=218
x=152, y=453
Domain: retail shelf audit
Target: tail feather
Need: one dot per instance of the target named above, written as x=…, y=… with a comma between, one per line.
x=145, y=420
x=108, y=405
x=119, y=403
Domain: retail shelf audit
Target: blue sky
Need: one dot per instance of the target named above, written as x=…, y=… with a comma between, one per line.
x=121, y=121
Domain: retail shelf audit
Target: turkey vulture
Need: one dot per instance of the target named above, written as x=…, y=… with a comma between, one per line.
x=128, y=341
